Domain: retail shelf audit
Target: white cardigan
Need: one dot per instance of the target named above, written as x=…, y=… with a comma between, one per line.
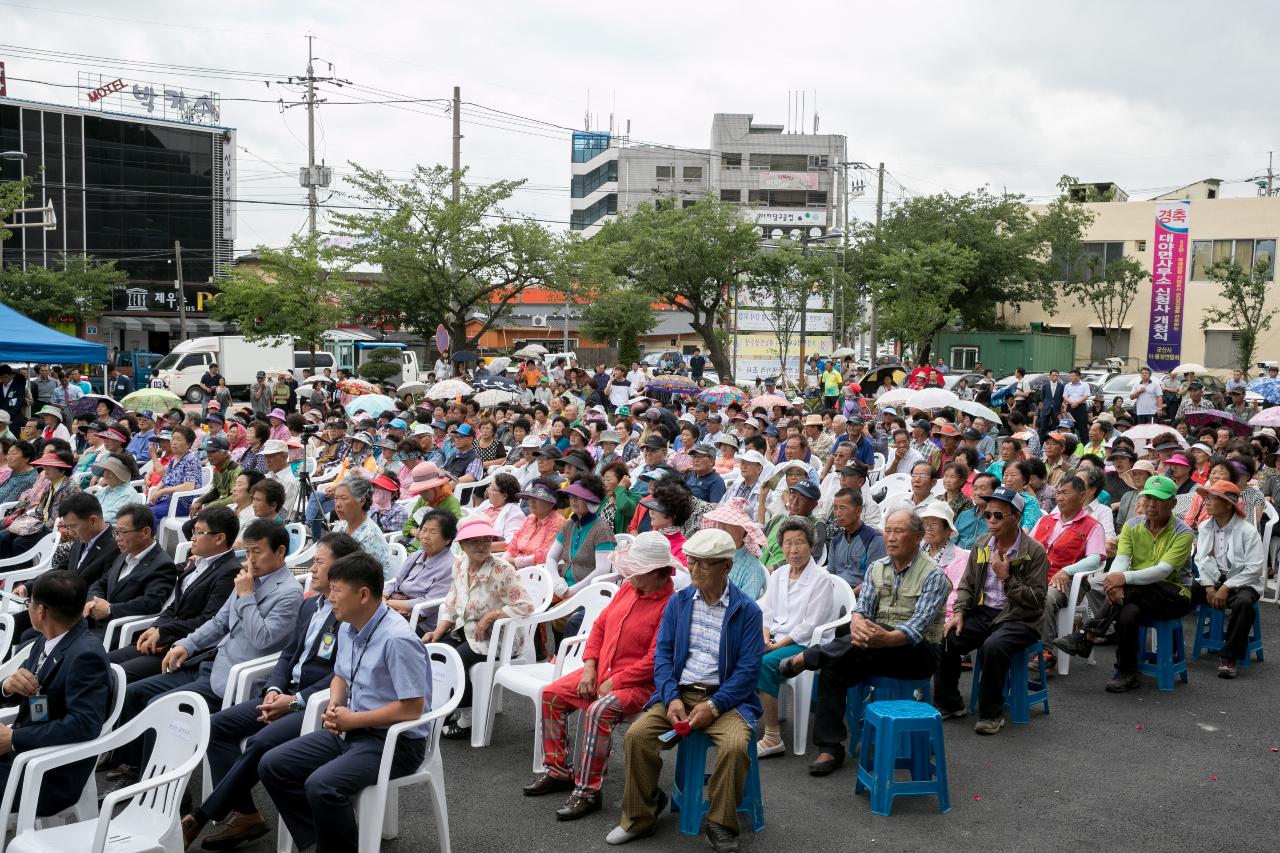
x=794, y=608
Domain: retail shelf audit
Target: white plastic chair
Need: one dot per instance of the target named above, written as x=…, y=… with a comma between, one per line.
x=801, y=686
x=877, y=469
x=142, y=816
x=40, y=556
x=623, y=540
x=302, y=558
x=529, y=679
x=538, y=586
x=891, y=486
x=466, y=492
x=415, y=614
x=6, y=635
x=398, y=555
x=297, y=536
x=1270, y=549
x=170, y=528
x=378, y=806
x=1067, y=617
x=244, y=679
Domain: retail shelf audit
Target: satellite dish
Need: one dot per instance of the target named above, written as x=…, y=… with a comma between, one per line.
x=796, y=233
x=815, y=232
x=776, y=233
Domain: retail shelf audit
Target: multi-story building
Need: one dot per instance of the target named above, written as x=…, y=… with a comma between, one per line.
x=785, y=181
x=126, y=188
x=1240, y=229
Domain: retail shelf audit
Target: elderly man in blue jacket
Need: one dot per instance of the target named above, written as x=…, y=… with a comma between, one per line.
x=706, y=661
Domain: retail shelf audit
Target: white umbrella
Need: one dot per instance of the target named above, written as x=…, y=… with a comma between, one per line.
x=533, y=351
x=932, y=398
x=499, y=364
x=493, y=397
x=842, y=352
x=1146, y=432
x=412, y=387
x=1188, y=368
x=977, y=410
x=537, y=348
x=896, y=397
x=449, y=388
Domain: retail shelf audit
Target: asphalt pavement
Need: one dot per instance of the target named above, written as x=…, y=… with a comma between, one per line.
x=1194, y=769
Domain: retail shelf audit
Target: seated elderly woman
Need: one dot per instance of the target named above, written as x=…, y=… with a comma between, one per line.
x=484, y=588
x=385, y=512
x=427, y=573
x=615, y=681
x=182, y=477
x=115, y=473
x=584, y=544
x=669, y=505
x=266, y=500
x=796, y=600
x=17, y=475
x=351, y=501
x=40, y=505
x=748, y=572
x=501, y=507
x=532, y=542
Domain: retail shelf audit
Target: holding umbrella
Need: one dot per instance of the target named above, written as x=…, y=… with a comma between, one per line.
x=1267, y=388
x=1267, y=417
x=723, y=395
x=88, y=405
x=465, y=355
x=931, y=398
x=1217, y=417
x=768, y=401
x=448, y=388
x=374, y=404
x=533, y=351
x=896, y=397
x=1146, y=432
x=154, y=399
x=1183, y=369
x=672, y=384
x=493, y=397
x=977, y=410
x=356, y=387
x=496, y=383
x=413, y=387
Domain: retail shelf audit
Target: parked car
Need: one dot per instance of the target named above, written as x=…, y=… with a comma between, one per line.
x=1123, y=384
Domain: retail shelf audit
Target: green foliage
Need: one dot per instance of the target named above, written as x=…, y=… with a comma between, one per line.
x=290, y=293
x=1243, y=294
x=1109, y=292
x=918, y=289
x=1074, y=191
x=689, y=257
x=77, y=286
x=12, y=196
x=621, y=315
x=443, y=262
x=380, y=364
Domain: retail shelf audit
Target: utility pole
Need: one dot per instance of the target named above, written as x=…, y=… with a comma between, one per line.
x=1269, y=174
x=312, y=201
x=182, y=296
x=457, y=147
x=875, y=311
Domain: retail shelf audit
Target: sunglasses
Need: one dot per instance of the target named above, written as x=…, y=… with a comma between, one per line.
x=995, y=516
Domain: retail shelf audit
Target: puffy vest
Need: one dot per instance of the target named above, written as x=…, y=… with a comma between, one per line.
x=1069, y=547
x=893, y=607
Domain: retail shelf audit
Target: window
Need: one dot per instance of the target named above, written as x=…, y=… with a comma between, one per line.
x=692, y=174
x=1093, y=260
x=688, y=202
x=819, y=162
x=730, y=161
x=1221, y=349
x=964, y=358
x=587, y=145
x=585, y=185
x=731, y=195
x=1246, y=253
x=816, y=198
x=1100, y=350
x=666, y=173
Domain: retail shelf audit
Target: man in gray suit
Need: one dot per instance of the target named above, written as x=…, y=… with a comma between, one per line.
x=257, y=619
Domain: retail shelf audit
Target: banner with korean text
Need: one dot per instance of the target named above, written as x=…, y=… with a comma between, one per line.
x=1168, y=280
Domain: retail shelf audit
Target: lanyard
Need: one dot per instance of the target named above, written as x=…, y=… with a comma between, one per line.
x=355, y=670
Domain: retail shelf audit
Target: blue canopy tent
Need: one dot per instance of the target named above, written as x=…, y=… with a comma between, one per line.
x=23, y=339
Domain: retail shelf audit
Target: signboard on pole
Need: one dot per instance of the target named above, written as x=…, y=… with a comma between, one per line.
x=1168, y=283
x=442, y=339
x=759, y=354
x=156, y=100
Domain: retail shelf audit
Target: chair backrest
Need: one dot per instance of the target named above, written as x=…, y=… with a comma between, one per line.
x=119, y=682
x=6, y=634
x=622, y=540
x=398, y=555
x=182, y=553
x=301, y=557
x=10, y=666
x=297, y=535
x=42, y=553
x=890, y=486
x=593, y=600
x=538, y=584
x=448, y=680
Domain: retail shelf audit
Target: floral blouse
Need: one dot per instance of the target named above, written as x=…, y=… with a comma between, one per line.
x=495, y=585
x=373, y=541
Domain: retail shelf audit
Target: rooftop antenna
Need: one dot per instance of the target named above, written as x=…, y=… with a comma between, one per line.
x=788, y=126
x=815, y=112
x=804, y=96
x=587, y=117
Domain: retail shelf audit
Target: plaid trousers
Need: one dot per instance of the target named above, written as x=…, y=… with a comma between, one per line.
x=596, y=724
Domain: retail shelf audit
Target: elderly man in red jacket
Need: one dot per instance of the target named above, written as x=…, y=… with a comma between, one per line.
x=615, y=681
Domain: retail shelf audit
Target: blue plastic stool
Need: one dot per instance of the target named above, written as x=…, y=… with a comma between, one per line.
x=687, y=792
x=1020, y=692
x=902, y=734
x=885, y=689
x=1211, y=633
x=1169, y=660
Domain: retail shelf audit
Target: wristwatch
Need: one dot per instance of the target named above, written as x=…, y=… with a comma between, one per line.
x=715, y=712
x=295, y=704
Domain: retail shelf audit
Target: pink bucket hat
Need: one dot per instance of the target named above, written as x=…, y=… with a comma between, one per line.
x=648, y=552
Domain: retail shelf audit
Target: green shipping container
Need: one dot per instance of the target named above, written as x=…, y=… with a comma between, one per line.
x=1004, y=352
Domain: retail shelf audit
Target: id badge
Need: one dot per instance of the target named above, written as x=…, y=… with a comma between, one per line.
x=327, y=644
x=39, y=707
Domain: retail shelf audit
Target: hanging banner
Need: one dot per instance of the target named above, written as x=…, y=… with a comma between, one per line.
x=1168, y=281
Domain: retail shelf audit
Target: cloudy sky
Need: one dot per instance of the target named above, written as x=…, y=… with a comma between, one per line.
x=951, y=96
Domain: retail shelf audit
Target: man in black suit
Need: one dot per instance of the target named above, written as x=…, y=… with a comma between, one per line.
x=141, y=578
x=305, y=667
x=202, y=588
x=63, y=690
x=1050, y=403
x=93, y=549
x=13, y=396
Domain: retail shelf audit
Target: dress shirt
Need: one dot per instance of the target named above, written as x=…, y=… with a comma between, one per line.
x=202, y=563
x=1076, y=393
x=703, y=664
x=382, y=663
x=323, y=609
x=130, y=562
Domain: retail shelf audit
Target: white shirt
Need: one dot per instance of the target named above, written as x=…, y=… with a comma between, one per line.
x=1077, y=392
x=131, y=562
x=794, y=608
x=1147, y=400
x=1104, y=516
x=202, y=563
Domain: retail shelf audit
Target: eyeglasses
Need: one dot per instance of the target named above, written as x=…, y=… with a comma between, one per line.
x=995, y=516
x=120, y=532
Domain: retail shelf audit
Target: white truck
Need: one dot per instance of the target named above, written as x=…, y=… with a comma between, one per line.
x=237, y=359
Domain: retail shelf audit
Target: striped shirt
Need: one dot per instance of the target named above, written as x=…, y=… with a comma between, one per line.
x=703, y=664
x=933, y=594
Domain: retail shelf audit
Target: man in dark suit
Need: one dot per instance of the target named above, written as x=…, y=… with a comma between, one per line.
x=1050, y=403
x=93, y=548
x=141, y=578
x=13, y=396
x=63, y=690
x=305, y=667
x=202, y=588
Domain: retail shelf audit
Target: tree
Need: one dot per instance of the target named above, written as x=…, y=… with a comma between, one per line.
x=291, y=292
x=621, y=315
x=13, y=194
x=689, y=257
x=780, y=282
x=380, y=364
x=1243, y=294
x=1109, y=293
x=78, y=286
x=443, y=262
x=917, y=288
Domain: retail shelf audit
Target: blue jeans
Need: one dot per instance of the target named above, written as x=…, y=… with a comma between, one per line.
x=318, y=508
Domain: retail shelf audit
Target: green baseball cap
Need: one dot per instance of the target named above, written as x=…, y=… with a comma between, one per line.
x=1159, y=487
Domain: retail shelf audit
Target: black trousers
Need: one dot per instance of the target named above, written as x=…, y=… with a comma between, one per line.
x=11, y=545
x=842, y=665
x=235, y=771
x=996, y=643
x=142, y=693
x=1151, y=603
x=136, y=665
x=1080, y=416
x=470, y=657
x=1239, y=619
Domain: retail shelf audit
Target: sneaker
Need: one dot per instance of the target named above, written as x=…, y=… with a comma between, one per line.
x=1123, y=683
x=949, y=713
x=990, y=726
x=1075, y=644
x=1227, y=668
x=764, y=748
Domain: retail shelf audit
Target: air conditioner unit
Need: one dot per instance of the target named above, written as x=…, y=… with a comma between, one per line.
x=538, y=321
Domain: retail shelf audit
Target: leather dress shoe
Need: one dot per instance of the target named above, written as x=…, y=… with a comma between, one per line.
x=576, y=806
x=237, y=829
x=547, y=784
x=828, y=766
x=788, y=669
x=721, y=839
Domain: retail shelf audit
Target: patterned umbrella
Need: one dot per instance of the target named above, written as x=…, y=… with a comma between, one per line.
x=449, y=388
x=768, y=401
x=495, y=383
x=1217, y=417
x=1267, y=388
x=493, y=397
x=723, y=395
x=374, y=404
x=88, y=404
x=155, y=399
x=356, y=387
x=672, y=384
x=1267, y=417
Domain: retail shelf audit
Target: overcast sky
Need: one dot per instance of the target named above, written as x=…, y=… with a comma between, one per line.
x=951, y=96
